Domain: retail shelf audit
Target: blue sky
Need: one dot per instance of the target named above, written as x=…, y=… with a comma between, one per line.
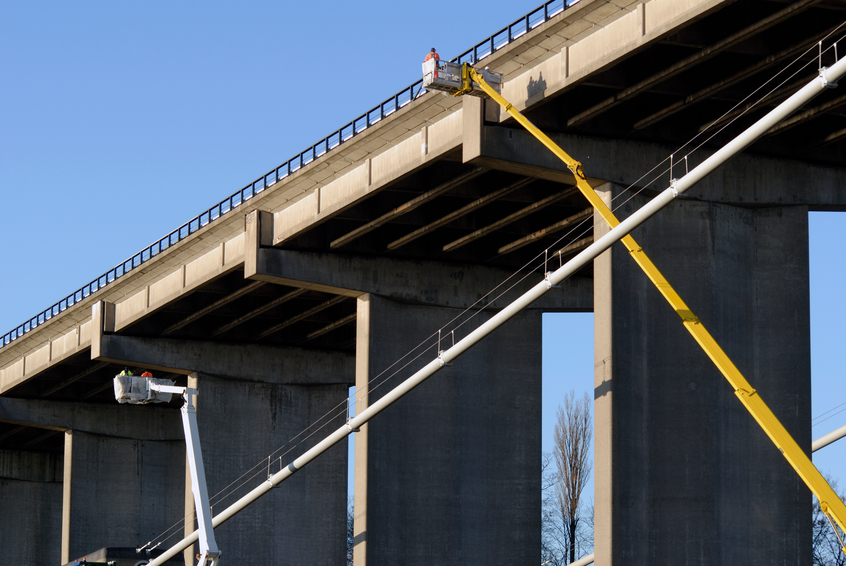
x=123, y=120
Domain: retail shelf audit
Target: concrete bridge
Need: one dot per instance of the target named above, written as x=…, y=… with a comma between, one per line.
x=327, y=270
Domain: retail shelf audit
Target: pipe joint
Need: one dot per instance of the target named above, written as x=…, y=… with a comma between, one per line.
x=673, y=187
x=824, y=81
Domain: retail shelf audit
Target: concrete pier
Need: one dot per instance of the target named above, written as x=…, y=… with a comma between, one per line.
x=33, y=481
x=426, y=493
x=684, y=475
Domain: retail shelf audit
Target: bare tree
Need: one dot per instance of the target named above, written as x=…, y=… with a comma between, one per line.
x=553, y=545
x=827, y=547
x=350, y=530
x=573, y=435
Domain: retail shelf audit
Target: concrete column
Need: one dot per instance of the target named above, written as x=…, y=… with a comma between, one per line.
x=684, y=475
x=188, y=555
x=67, y=475
x=30, y=507
x=303, y=521
x=451, y=473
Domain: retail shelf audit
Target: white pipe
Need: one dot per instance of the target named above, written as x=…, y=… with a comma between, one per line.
x=584, y=560
x=829, y=438
x=783, y=110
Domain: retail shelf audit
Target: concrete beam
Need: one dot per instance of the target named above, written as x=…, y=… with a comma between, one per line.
x=747, y=180
x=137, y=422
x=414, y=281
x=692, y=60
x=507, y=149
x=35, y=467
x=245, y=362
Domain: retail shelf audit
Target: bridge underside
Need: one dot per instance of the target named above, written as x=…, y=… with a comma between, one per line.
x=330, y=295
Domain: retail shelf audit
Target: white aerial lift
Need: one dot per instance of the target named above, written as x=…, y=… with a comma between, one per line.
x=147, y=389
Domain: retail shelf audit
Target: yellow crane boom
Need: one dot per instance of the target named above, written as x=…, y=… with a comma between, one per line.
x=830, y=502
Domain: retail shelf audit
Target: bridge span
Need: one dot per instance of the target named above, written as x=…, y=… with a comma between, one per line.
x=324, y=272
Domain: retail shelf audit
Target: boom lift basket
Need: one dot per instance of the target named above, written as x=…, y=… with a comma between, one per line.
x=445, y=76
x=136, y=390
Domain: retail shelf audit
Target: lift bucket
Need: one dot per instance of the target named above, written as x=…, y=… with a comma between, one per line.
x=445, y=76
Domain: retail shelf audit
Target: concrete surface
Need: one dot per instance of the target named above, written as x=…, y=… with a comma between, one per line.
x=33, y=481
x=451, y=474
x=683, y=474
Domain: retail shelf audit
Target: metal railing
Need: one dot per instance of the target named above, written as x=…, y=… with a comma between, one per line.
x=404, y=97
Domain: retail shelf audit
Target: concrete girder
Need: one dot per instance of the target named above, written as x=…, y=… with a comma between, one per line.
x=74, y=378
x=702, y=94
x=569, y=222
x=747, y=180
x=416, y=281
x=273, y=303
x=140, y=423
x=302, y=316
x=808, y=114
x=213, y=307
x=463, y=211
x=765, y=103
x=407, y=207
x=251, y=362
x=695, y=59
x=513, y=217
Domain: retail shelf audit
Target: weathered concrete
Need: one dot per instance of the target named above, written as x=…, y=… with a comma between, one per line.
x=750, y=180
x=451, y=474
x=684, y=475
x=255, y=362
x=120, y=494
x=303, y=521
x=31, y=502
x=152, y=423
x=414, y=281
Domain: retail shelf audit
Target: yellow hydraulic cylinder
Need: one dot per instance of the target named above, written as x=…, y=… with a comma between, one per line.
x=830, y=503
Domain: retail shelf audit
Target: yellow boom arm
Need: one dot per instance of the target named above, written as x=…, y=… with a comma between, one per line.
x=830, y=503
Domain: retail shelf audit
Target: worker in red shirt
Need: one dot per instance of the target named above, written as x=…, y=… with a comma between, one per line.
x=433, y=55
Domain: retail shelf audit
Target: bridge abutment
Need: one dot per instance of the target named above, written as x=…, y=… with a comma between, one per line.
x=684, y=475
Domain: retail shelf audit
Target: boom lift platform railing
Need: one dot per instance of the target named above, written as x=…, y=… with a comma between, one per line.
x=472, y=81
x=832, y=505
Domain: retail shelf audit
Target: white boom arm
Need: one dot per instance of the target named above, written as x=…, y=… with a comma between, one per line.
x=209, y=553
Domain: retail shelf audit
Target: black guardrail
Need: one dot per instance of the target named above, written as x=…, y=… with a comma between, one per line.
x=476, y=53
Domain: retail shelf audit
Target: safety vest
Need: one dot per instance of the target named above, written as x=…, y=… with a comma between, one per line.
x=433, y=55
